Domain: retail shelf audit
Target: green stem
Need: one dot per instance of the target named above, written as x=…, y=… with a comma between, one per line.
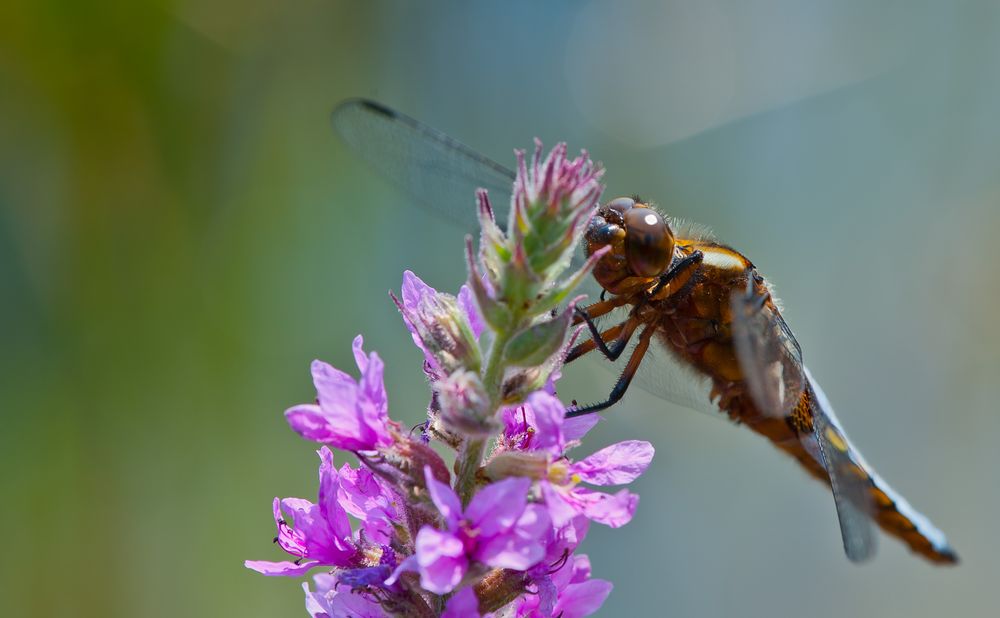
x=467, y=464
x=470, y=456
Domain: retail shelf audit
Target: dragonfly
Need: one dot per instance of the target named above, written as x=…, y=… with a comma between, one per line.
x=722, y=344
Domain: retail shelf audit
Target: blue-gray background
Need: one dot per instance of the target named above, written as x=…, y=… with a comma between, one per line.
x=181, y=233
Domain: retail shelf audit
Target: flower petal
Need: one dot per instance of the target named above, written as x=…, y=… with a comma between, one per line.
x=308, y=421
x=441, y=559
x=330, y=544
x=414, y=290
x=373, y=386
x=617, y=464
x=583, y=599
x=549, y=413
x=332, y=384
x=614, y=510
x=561, y=511
x=578, y=426
x=522, y=546
x=444, y=498
x=360, y=359
x=467, y=302
x=284, y=569
x=330, y=508
x=496, y=507
x=463, y=604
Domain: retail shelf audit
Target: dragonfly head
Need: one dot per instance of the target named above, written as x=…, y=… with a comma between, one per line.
x=641, y=241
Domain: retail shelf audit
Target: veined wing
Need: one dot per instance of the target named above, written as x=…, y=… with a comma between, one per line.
x=772, y=366
x=871, y=496
x=438, y=171
x=850, y=478
x=771, y=363
x=769, y=356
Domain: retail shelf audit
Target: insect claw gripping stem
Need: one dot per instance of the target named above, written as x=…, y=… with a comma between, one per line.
x=621, y=333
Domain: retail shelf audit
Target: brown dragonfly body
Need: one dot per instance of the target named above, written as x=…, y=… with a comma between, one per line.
x=702, y=302
x=711, y=309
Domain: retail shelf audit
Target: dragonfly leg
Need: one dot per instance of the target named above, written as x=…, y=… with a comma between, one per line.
x=591, y=344
x=598, y=309
x=618, y=336
x=623, y=382
x=685, y=267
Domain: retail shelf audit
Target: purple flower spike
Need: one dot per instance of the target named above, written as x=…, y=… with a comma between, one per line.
x=498, y=528
x=350, y=415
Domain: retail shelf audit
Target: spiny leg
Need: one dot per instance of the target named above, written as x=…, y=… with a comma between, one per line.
x=621, y=334
x=623, y=382
x=598, y=309
x=590, y=344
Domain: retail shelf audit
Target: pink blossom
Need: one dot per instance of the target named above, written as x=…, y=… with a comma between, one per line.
x=319, y=535
x=333, y=599
x=568, y=592
x=350, y=415
x=498, y=528
x=543, y=422
x=539, y=424
x=368, y=498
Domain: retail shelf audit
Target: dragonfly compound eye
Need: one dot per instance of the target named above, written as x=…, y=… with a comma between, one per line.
x=649, y=243
x=618, y=207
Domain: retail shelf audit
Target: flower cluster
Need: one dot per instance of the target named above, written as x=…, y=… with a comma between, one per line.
x=496, y=533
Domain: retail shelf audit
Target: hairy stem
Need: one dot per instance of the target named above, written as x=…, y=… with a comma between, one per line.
x=470, y=455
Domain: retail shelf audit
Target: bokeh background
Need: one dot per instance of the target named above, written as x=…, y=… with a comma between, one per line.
x=181, y=233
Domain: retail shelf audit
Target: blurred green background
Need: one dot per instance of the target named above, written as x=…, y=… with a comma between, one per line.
x=181, y=233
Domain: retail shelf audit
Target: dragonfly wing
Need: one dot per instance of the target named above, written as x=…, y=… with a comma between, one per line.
x=768, y=354
x=438, y=171
x=660, y=373
x=771, y=362
x=850, y=479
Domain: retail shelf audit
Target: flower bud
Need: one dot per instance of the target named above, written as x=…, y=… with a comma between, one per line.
x=404, y=463
x=553, y=200
x=518, y=463
x=439, y=327
x=465, y=405
x=536, y=344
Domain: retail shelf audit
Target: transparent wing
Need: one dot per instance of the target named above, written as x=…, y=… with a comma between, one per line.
x=438, y=171
x=850, y=479
x=660, y=373
x=769, y=356
x=771, y=362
